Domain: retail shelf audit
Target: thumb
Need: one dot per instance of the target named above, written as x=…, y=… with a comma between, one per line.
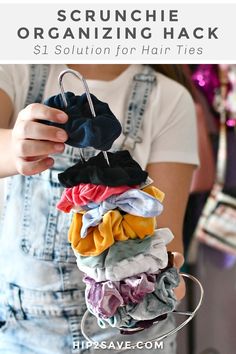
x=181, y=289
x=178, y=259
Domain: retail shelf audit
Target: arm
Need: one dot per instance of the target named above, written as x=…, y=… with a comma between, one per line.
x=174, y=180
x=7, y=166
x=173, y=155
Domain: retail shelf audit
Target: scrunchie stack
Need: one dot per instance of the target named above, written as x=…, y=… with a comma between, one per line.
x=114, y=237
x=129, y=275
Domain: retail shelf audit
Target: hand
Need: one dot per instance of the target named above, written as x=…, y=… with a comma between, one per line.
x=33, y=142
x=181, y=289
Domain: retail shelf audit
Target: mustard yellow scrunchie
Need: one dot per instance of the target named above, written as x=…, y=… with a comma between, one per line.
x=154, y=192
x=114, y=227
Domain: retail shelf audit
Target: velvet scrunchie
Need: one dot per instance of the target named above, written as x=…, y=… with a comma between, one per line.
x=123, y=170
x=82, y=128
x=86, y=193
x=129, y=258
x=161, y=301
x=114, y=227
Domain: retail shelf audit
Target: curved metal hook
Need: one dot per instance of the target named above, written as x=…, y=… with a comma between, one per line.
x=167, y=334
x=91, y=106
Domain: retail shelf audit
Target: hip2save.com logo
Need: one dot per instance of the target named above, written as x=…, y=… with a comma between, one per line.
x=116, y=345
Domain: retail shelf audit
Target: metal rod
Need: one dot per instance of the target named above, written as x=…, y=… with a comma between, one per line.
x=157, y=339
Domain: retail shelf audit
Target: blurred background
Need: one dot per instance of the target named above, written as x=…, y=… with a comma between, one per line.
x=210, y=253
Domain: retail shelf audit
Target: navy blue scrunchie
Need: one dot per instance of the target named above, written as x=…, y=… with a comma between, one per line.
x=123, y=170
x=82, y=128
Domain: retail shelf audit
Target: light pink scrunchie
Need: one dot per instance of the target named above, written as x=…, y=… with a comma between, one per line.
x=84, y=193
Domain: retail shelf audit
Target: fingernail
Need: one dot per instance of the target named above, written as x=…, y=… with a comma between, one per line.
x=61, y=136
x=62, y=116
x=49, y=163
x=59, y=147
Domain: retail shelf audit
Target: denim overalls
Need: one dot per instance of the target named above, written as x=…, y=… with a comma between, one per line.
x=41, y=288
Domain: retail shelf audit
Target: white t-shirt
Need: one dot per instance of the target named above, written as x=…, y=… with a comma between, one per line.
x=169, y=126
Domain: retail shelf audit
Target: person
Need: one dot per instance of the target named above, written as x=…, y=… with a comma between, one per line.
x=42, y=294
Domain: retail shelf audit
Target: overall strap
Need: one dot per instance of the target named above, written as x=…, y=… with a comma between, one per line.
x=142, y=86
x=37, y=81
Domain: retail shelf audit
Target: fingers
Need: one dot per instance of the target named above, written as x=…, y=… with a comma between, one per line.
x=27, y=168
x=35, y=158
x=36, y=111
x=33, y=141
x=178, y=260
x=181, y=288
x=180, y=291
x=36, y=148
x=33, y=130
